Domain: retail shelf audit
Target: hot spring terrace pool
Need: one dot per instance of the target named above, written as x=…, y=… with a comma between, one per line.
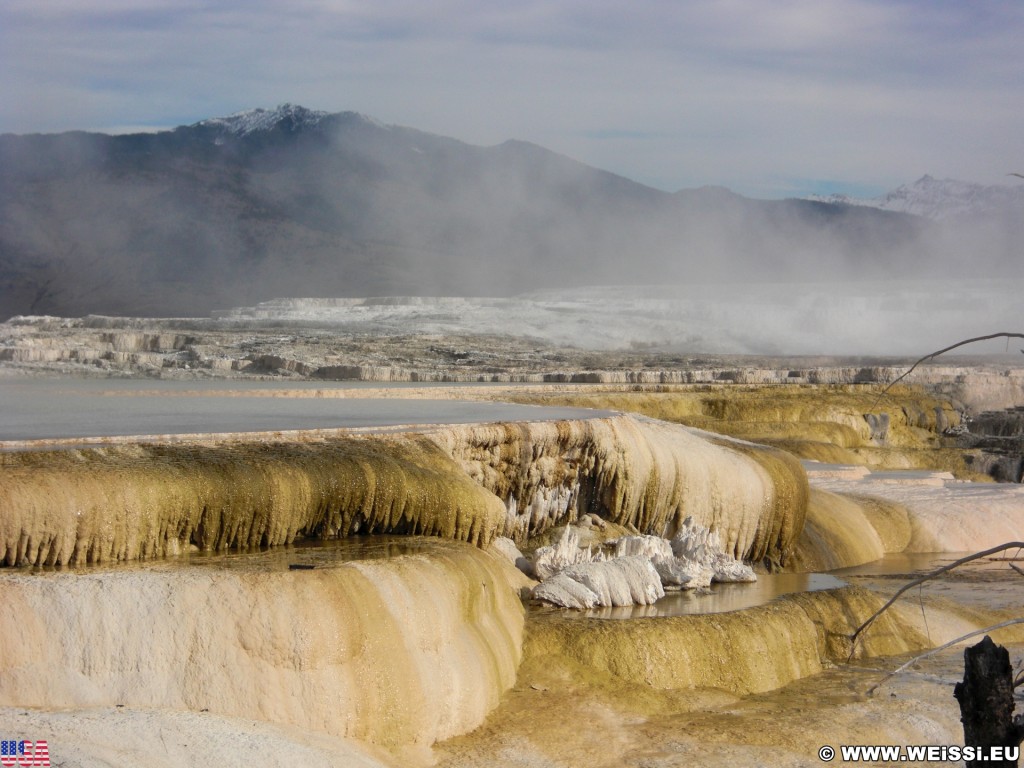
x=67, y=411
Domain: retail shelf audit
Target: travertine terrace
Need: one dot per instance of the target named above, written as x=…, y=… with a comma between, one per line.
x=194, y=578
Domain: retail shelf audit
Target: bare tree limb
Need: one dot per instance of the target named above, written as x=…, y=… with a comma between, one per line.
x=942, y=647
x=910, y=370
x=926, y=577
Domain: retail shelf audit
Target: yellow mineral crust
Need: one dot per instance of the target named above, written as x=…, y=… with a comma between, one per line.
x=743, y=652
x=469, y=483
x=843, y=424
x=125, y=502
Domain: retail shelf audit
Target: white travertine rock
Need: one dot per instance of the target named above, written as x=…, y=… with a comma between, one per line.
x=639, y=571
x=693, y=559
x=620, y=581
x=548, y=561
x=565, y=592
x=730, y=570
x=649, y=546
x=695, y=543
x=675, y=572
x=682, y=574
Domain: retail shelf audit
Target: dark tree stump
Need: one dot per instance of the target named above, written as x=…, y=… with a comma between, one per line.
x=986, y=702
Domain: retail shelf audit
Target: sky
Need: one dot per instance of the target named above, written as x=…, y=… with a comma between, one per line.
x=768, y=98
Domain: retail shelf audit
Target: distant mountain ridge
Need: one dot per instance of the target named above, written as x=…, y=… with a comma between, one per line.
x=290, y=201
x=939, y=199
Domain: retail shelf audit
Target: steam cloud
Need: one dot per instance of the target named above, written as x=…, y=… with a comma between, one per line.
x=200, y=218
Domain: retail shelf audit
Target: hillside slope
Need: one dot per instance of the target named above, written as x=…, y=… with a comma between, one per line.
x=291, y=202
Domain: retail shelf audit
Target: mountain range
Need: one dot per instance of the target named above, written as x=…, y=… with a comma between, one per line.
x=940, y=199
x=294, y=202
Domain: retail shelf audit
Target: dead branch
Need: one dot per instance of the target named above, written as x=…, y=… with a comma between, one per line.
x=926, y=577
x=942, y=647
x=933, y=355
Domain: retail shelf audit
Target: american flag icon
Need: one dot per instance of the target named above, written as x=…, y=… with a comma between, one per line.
x=24, y=754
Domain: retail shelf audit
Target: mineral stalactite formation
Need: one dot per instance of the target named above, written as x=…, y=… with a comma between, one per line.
x=469, y=483
x=638, y=472
x=143, y=501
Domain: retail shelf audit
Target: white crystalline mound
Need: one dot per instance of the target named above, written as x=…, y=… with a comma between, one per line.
x=548, y=561
x=693, y=559
x=675, y=572
x=619, y=582
x=697, y=544
x=682, y=574
x=639, y=571
x=649, y=546
x=565, y=592
x=727, y=569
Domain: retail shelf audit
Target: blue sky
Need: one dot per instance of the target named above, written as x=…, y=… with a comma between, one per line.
x=770, y=99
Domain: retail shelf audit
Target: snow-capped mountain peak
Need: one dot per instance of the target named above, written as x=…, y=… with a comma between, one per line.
x=938, y=198
x=258, y=120
x=942, y=198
